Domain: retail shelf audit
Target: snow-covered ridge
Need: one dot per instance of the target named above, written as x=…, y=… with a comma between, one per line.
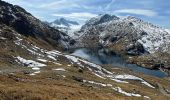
x=100, y=19
x=66, y=26
x=157, y=38
x=110, y=29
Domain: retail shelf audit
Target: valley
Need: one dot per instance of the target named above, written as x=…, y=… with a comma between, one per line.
x=43, y=61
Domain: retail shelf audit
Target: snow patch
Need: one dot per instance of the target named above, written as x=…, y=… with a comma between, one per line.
x=96, y=83
x=54, y=53
x=34, y=73
x=51, y=57
x=30, y=63
x=131, y=77
x=42, y=60
x=119, y=81
x=59, y=69
x=2, y=38
x=57, y=63
x=74, y=60
x=35, y=68
x=146, y=97
x=118, y=89
x=32, y=49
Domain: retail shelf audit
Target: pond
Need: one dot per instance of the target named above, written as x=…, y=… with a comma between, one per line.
x=103, y=57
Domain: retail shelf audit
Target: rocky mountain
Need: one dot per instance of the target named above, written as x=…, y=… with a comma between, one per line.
x=25, y=24
x=99, y=20
x=128, y=35
x=66, y=26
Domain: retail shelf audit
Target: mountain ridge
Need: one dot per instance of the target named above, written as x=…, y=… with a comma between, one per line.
x=128, y=36
x=66, y=26
x=129, y=22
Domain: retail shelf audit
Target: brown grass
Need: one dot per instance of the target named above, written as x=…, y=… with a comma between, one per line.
x=50, y=85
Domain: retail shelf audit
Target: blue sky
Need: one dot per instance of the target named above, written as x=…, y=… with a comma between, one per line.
x=154, y=11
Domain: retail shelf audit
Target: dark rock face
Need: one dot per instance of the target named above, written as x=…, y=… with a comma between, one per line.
x=99, y=20
x=112, y=39
x=27, y=25
x=157, y=66
x=106, y=18
x=136, y=49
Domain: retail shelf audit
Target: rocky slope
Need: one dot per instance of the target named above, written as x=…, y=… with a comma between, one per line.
x=130, y=36
x=66, y=26
x=26, y=24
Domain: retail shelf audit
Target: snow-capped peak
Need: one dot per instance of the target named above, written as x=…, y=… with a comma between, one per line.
x=66, y=26
x=102, y=18
x=63, y=22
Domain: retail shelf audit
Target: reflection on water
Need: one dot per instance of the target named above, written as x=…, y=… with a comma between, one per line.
x=103, y=57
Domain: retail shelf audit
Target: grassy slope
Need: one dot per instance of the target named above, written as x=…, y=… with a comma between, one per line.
x=50, y=84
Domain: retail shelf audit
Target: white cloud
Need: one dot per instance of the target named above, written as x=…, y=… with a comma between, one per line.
x=59, y=4
x=79, y=16
x=11, y=1
x=144, y=12
x=110, y=4
x=21, y=3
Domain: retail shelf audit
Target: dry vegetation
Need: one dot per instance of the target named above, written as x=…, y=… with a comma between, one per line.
x=51, y=85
